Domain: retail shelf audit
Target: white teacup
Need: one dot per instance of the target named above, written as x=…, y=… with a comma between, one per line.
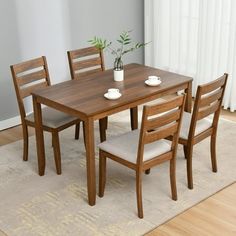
x=113, y=92
x=153, y=79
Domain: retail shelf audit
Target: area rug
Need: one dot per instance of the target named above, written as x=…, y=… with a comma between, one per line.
x=57, y=205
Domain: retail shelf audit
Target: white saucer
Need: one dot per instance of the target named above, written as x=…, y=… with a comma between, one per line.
x=112, y=98
x=147, y=82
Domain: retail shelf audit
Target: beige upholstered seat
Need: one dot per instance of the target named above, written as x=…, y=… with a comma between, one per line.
x=142, y=149
x=201, y=126
x=52, y=118
x=125, y=146
x=27, y=77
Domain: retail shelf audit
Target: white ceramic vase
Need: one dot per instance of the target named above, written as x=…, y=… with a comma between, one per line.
x=118, y=75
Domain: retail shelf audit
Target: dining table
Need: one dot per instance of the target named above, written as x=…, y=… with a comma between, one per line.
x=84, y=98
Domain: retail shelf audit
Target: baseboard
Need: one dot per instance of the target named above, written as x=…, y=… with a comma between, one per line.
x=5, y=124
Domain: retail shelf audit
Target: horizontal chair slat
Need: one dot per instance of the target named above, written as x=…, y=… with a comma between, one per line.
x=88, y=72
x=207, y=88
x=156, y=161
x=27, y=91
x=202, y=135
x=87, y=63
x=208, y=110
x=161, y=133
x=84, y=52
x=32, y=77
x=166, y=106
x=28, y=65
x=163, y=120
x=211, y=98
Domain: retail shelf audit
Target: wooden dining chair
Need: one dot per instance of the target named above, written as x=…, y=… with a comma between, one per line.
x=27, y=77
x=141, y=150
x=83, y=62
x=87, y=61
x=197, y=127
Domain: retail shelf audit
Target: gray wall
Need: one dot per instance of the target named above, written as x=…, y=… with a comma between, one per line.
x=107, y=18
x=9, y=50
x=31, y=28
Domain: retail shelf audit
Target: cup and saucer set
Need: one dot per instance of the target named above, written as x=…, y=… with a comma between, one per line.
x=112, y=94
x=153, y=80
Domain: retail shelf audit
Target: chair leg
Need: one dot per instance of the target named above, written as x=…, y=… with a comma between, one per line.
x=147, y=172
x=185, y=151
x=173, y=178
x=77, y=129
x=213, y=153
x=139, y=193
x=57, y=152
x=102, y=128
x=106, y=122
x=102, y=174
x=52, y=141
x=26, y=142
x=189, y=166
x=134, y=118
x=84, y=134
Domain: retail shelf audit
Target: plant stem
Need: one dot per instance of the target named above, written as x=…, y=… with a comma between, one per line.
x=113, y=50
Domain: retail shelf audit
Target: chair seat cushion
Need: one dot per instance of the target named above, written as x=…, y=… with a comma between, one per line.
x=125, y=146
x=53, y=118
x=201, y=126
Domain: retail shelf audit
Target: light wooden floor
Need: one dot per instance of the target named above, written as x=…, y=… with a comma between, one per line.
x=213, y=216
x=13, y=134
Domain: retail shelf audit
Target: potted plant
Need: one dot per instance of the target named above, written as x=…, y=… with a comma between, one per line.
x=125, y=45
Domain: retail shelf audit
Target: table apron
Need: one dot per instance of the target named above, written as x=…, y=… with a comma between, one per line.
x=61, y=108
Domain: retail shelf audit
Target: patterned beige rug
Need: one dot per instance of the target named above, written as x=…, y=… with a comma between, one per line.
x=57, y=205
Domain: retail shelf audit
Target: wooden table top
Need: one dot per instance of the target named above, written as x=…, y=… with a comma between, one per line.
x=85, y=97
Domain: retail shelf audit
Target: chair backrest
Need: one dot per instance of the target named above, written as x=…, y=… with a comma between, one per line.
x=159, y=122
x=85, y=61
x=208, y=101
x=28, y=76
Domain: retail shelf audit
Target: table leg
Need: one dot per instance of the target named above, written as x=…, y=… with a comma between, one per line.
x=103, y=128
x=90, y=161
x=188, y=102
x=39, y=136
x=134, y=117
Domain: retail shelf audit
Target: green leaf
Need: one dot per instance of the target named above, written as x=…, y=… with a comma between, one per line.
x=123, y=40
x=120, y=41
x=122, y=37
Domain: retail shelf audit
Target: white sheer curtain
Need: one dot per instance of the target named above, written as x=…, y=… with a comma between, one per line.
x=195, y=38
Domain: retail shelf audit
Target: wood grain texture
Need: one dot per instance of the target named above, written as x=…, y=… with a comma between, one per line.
x=84, y=98
x=213, y=216
x=90, y=161
x=24, y=75
x=13, y=134
x=205, y=104
x=89, y=58
x=29, y=65
x=31, y=77
x=148, y=135
x=181, y=224
x=86, y=61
